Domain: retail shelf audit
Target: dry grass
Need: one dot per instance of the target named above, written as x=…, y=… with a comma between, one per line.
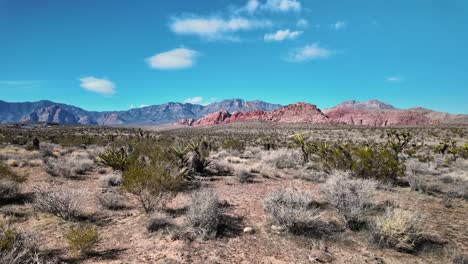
x=399, y=229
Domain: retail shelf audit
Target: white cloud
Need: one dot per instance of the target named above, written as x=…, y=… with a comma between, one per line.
x=282, y=5
x=339, y=25
x=309, y=52
x=302, y=23
x=281, y=35
x=179, y=58
x=194, y=100
x=394, y=79
x=252, y=6
x=215, y=28
x=101, y=86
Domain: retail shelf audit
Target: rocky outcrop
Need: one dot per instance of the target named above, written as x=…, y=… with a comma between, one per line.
x=295, y=113
x=298, y=113
x=382, y=118
x=307, y=113
x=51, y=114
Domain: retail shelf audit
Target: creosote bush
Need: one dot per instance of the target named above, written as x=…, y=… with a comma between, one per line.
x=65, y=203
x=152, y=183
x=290, y=208
x=82, y=239
x=204, y=214
x=398, y=229
x=350, y=197
x=363, y=161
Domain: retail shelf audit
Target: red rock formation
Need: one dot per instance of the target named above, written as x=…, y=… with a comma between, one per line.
x=307, y=113
x=296, y=113
x=352, y=116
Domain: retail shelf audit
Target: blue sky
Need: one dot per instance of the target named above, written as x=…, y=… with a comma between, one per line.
x=109, y=55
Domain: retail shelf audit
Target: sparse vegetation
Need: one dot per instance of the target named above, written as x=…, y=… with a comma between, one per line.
x=82, y=239
x=204, y=214
x=399, y=229
x=350, y=197
x=16, y=247
x=72, y=168
x=157, y=192
x=291, y=208
x=65, y=203
x=112, y=201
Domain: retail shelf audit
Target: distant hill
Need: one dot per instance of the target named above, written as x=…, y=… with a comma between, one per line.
x=366, y=105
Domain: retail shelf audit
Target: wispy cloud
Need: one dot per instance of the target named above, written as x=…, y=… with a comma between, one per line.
x=281, y=35
x=20, y=84
x=394, y=79
x=302, y=23
x=180, y=58
x=194, y=100
x=309, y=52
x=339, y=25
x=272, y=5
x=215, y=28
x=96, y=85
x=282, y=5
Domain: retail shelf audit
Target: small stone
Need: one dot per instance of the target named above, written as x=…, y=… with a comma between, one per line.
x=278, y=229
x=249, y=230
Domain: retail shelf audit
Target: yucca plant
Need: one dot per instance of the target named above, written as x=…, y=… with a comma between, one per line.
x=117, y=159
x=198, y=160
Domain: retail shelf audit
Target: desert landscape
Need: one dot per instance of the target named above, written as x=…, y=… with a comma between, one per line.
x=233, y=132
x=245, y=192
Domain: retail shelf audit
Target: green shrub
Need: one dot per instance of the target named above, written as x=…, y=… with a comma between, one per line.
x=376, y=163
x=363, y=161
x=151, y=183
x=82, y=239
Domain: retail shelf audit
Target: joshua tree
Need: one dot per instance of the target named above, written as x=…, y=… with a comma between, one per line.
x=300, y=141
x=398, y=141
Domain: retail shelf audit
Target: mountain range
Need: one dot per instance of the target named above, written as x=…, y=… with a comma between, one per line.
x=371, y=113
x=48, y=111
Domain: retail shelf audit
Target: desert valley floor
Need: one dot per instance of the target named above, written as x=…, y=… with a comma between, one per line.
x=248, y=193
